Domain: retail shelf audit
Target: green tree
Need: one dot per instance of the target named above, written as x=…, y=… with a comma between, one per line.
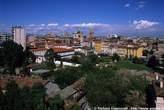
x=13, y=99
x=56, y=103
x=75, y=59
x=152, y=62
x=16, y=98
x=137, y=60
x=13, y=55
x=2, y=101
x=115, y=57
x=145, y=53
x=88, y=63
x=64, y=77
x=50, y=56
x=107, y=87
x=2, y=57
x=38, y=93
x=162, y=56
x=75, y=107
x=29, y=56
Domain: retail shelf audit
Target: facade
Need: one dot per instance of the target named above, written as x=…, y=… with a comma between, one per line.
x=63, y=52
x=78, y=38
x=19, y=36
x=97, y=44
x=4, y=38
x=134, y=51
x=121, y=51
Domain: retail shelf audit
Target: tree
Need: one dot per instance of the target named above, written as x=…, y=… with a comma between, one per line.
x=75, y=59
x=16, y=98
x=50, y=56
x=115, y=57
x=2, y=56
x=2, y=101
x=107, y=87
x=64, y=77
x=13, y=99
x=162, y=56
x=38, y=92
x=152, y=62
x=89, y=62
x=56, y=103
x=75, y=107
x=145, y=53
x=29, y=57
x=13, y=55
x=137, y=60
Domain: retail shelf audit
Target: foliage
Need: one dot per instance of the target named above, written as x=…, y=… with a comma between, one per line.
x=88, y=63
x=56, y=103
x=16, y=98
x=50, y=56
x=2, y=55
x=162, y=56
x=152, y=62
x=137, y=60
x=29, y=57
x=126, y=64
x=12, y=55
x=67, y=76
x=75, y=107
x=107, y=88
x=2, y=101
x=145, y=52
x=75, y=59
x=105, y=59
x=115, y=57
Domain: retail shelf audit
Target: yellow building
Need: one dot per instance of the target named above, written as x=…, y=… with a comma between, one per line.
x=128, y=51
x=122, y=51
x=97, y=44
x=134, y=51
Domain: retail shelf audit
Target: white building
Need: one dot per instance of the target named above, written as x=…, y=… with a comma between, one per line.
x=19, y=36
x=63, y=52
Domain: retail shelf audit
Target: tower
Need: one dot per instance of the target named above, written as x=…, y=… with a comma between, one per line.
x=19, y=36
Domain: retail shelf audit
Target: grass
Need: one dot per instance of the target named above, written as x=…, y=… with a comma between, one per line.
x=105, y=59
x=125, y=64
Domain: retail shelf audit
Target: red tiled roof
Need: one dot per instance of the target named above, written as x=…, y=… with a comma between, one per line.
x=60, y=50
x=21, y=81
x=57, y=50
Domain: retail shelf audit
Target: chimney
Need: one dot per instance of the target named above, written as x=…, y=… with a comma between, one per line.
x=161, y=83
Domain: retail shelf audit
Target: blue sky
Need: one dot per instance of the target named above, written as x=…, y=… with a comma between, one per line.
x=128, y=17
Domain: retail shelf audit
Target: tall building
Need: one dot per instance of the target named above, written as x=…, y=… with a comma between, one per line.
x=19, y=36
x=78, y=38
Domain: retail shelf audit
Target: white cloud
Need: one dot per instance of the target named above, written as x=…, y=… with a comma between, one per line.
x=87, y=25
x=31, y=25
x=52, y=24
x=42, y=24
x=144, y=24
x=141, y=4
x=127, y=5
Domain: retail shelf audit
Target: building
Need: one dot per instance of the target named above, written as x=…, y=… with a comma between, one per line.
x=19, y=35
x=134, y=51
x=159, y=91
x=121, y=51
x=97, y=44
x=78, y=38
x=61, y=51
x=5, y=37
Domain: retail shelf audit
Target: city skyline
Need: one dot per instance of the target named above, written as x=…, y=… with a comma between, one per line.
x=129, y=17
